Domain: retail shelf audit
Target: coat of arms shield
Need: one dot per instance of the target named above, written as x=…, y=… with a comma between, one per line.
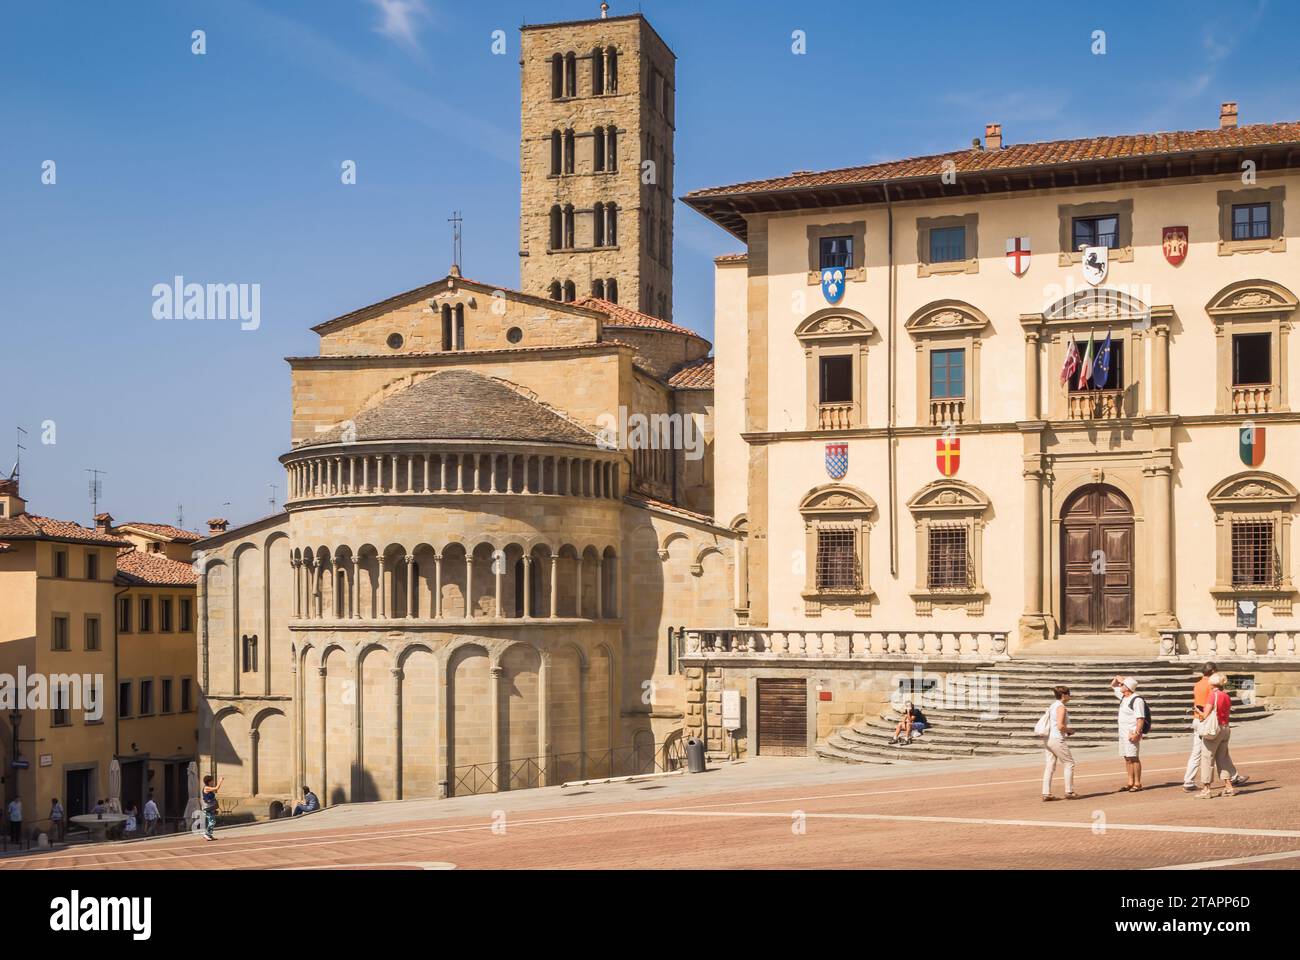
x=837, y=460
x=1174, y=244
x=1250, y=445
x=833, y=284
x=1096, y=261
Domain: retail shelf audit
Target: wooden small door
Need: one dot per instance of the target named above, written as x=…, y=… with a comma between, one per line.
x=1097, y=562
x=783, y=717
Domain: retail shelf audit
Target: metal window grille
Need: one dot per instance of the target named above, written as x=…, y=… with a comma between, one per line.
x=950, y=565
x=837, y=559
x=1254, y=557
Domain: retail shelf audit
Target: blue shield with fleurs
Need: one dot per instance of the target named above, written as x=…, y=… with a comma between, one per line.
x=833, y=284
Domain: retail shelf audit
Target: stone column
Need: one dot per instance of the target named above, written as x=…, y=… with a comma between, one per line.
x=437, y=586
x=555, y=585
x=323, y=673
x=1160, y=360
x=356, y=588
x=469, y=585
x=365, y=473
x=410, y=587
x=583, y=667
x=297, y=587
x=1159, y=490
x=254, y=736
x=1033, y=385
x=528, y=587
x=500, y=775
x=499, y=571
x=382, y=591
x=578, y=611
x=545, y=773
x=1033, y=621
x=600, y=588
x=397, y=732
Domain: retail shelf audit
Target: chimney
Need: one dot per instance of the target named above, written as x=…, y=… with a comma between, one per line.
x=104, y=523
x=992, y=136
x=217, y=525
x=1228, y=115
x=604, y=11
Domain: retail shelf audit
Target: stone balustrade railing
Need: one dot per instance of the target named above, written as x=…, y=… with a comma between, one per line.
x=1097, y=405
x=1230, y=644
x=1252, y=398
x=761, y=644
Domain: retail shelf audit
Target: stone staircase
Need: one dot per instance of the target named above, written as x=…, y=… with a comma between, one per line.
x=1024, y=692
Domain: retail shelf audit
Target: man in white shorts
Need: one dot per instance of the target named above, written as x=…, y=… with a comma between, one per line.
x=1132, y=727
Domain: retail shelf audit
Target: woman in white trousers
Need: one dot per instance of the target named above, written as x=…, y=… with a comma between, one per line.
x=1055, y=748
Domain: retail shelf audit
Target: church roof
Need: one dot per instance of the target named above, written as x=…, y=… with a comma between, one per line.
x=696, y=375
x=164, y=531
x=460, y=405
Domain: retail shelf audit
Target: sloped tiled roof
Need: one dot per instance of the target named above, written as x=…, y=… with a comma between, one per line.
x=136, y=568
x=30, y=526
x=1020, y=155
x=620, y=316
x=696, y=375
x=165, y=530
x=460, y=405
x=731, y=258
x=997, y=168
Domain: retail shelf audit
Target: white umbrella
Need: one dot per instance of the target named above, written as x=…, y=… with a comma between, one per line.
x=115, y=786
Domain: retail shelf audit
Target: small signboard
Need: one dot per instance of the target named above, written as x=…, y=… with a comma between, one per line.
x=1246, y=691
x=731, y=710
x=1247, y=613
x=47, y=759
x=20, y=764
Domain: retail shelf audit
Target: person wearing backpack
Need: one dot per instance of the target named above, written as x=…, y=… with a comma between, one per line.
x=1212, y=728
x=1054, y=727
x=1134, y=722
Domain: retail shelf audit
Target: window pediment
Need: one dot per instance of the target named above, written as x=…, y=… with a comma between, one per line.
x=949, y=497
x=834, y=324
x=1253, y=489
x=1251, y=297
x=947, y=316
x=1100, y=304
x=837, y=499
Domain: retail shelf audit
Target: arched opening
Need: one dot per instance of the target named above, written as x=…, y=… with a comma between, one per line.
x=1097, y=562
x=597, y=72
x=571, y=75
x=557, y=229
x=598, y=289
x=611, y=290
x=557, y=77
x=569, y=151
x=556, y=155
x=611, y=69
x=598, y=225
x=611, y=149
x=598, y=149
x=570, y=292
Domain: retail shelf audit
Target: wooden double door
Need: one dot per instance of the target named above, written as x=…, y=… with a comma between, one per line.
x=1097, y=562
x=783, y=717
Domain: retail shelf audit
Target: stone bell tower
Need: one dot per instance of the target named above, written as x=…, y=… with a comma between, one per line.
x=596, y=162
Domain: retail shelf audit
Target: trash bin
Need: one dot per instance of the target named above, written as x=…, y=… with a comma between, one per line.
x=694, y=755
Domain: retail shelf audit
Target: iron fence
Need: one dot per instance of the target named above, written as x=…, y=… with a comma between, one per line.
x=554, y=769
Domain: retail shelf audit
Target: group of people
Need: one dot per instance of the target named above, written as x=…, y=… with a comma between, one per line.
x=1211, y=712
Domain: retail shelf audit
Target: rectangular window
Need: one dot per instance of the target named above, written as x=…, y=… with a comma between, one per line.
x=836, y=252
x=60, y=717
x=836, y=380
x=124, y=615
x=166, y=686
x=146, y=698
x=1254, y=558
x=61, y=564
x=146, y=615
x=947, y=244
x=92, y=565
x=124, y=698
x=949, y=567
x=185, y=615
x=1252, y=359
x=1096, y=232
x=187, y=702
x=837, y=559
x=165, y=614
x=92, y=633
x=947, y=374
x=1115, y=378
x=1250, y=221
x=60, y=633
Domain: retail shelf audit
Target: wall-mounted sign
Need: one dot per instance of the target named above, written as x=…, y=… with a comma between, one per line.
x=1247, y=613
x=20, y=764
x=731, y=710
x=47, y=759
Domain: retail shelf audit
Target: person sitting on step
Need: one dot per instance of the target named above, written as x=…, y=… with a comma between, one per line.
x=912, y=724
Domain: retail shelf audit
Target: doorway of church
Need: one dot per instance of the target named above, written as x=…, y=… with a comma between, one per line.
x=1097, y=562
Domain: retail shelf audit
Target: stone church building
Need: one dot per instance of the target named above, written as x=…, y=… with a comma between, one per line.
x=499, y=501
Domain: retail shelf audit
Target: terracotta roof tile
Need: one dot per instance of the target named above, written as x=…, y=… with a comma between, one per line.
x=175, y=534
x=1022, y=155
x=731, y=258
x=30, y=526
x=638, y=500
x=136, y=568
x=697, y=375
x=621, y=316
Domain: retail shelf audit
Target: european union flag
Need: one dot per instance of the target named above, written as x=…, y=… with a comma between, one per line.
x=1101, y=366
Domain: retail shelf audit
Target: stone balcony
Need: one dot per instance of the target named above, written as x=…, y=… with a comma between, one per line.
x=1252, y=398
x=763, y=645
x=1096, y=405
x=835, y=416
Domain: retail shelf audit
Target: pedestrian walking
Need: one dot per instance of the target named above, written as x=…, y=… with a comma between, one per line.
x=1055, y=729
x=16, y=819
x=1213, y=720
x=56, y=819
x=1200, y=696
x=210, y=805
x=151, y=816
x=1132, y=727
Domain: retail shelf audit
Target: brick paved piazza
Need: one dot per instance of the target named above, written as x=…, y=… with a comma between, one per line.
x=791, y=813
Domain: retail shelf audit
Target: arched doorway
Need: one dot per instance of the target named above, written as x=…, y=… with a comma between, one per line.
x=1097, y=562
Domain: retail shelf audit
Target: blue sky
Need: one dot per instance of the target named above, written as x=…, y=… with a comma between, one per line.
x=225, y=168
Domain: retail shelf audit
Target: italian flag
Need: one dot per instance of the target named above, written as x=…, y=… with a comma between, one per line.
x=1085, y=368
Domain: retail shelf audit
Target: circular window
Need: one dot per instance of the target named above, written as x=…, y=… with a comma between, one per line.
x=514, y=334
x=395, y=341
